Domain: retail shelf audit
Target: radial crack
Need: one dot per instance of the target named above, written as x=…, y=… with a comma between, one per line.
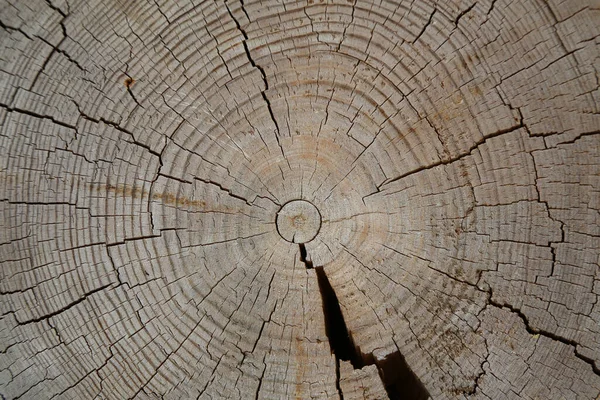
x=425, y=26
x=262, y=73
x=65, y=308
x=449, y=161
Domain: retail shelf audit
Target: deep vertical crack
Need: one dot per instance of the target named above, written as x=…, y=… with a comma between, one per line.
x=335, y=325
x=397, y=377
x=304, y=257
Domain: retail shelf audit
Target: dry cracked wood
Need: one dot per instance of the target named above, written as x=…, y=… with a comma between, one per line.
x=321, y=199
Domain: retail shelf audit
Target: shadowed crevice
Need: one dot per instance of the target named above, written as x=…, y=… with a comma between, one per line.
x=399, y=380
x=304, y=257
x=335, y=326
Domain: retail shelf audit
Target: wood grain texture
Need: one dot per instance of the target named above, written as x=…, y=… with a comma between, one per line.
x=450, y=149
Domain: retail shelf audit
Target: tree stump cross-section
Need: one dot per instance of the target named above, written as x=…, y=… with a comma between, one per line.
x=338, y=199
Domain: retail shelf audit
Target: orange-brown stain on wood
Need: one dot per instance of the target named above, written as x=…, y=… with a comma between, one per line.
x=165, y=197
x=129, y=81
x=475, y=90
x=125, y=190
x=7, y=178
x=450, y=110
x=363, y=233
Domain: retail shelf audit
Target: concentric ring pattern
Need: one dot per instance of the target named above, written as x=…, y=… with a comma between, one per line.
x=450, y=148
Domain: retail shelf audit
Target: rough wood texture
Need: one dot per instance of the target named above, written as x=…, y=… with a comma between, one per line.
x=450, y=149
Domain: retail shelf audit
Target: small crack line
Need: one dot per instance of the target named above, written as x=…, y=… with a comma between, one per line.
x=67, y=307
x=468, y=153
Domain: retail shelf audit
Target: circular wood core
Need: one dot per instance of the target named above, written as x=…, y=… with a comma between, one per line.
x=298, y=221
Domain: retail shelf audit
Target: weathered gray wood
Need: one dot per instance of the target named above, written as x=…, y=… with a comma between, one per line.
x=450, y=150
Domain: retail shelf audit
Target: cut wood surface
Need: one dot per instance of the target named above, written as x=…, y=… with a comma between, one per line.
x=349, y=199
